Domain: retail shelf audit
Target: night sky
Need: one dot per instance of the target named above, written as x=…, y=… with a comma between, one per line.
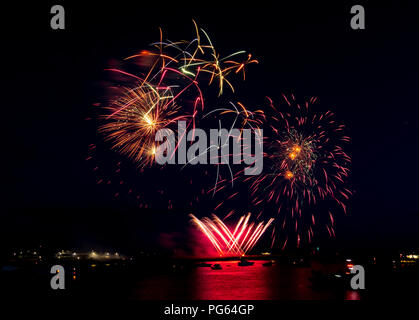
x=51, y=78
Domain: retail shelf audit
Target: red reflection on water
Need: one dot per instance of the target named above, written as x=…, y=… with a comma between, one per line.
x=233, y=282
x=352, y=295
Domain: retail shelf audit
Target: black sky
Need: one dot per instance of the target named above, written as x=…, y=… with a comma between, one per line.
x=51, y=78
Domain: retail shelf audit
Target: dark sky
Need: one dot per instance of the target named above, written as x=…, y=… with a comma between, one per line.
x=51, y=78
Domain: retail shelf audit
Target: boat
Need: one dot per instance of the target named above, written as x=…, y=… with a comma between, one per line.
x=245, y=263
x=267, y=264
x=203, y=264
x=216, y=266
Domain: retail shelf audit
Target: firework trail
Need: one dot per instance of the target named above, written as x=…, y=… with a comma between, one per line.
x=305, y=172
x=237, y=242
x=238, y=117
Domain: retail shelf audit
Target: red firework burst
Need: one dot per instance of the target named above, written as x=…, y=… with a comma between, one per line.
x=305, y=171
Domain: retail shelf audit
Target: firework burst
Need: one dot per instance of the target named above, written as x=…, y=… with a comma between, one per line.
x=136, y=117
x=305, y=171
x=227, y=242
x=171, y=69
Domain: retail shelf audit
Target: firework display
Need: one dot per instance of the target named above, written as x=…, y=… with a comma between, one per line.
x=204, y=151
x=305, y=165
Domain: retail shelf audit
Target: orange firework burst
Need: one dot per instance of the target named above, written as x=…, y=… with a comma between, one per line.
x=135, y=118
